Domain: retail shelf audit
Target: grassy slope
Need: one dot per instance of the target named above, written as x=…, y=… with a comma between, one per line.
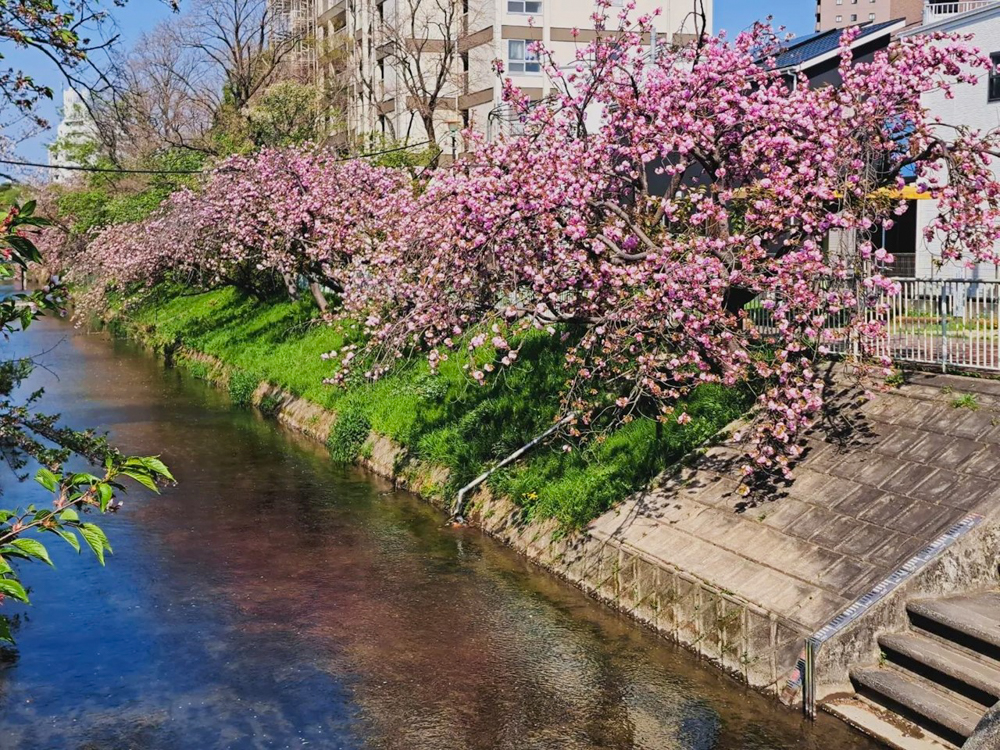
x=443, y=418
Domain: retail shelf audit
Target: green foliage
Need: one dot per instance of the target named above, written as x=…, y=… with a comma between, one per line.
x=577, y=486
x=74, y=494
x=242, y=385
x=30, y=436
x=285, y=114
x=101, y=200
x=269, y=406
x=391, y=152
x=443, y=417
x=348, y=435
x=965, y=401
x=26, y=434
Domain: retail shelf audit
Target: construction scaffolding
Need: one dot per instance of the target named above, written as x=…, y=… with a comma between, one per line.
x=292, y=23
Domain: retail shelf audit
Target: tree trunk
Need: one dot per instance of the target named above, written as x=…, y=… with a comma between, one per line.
x=317, y=293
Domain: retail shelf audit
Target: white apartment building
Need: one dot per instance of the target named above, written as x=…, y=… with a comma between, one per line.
x=396, y=65
x=975, y=106
x=75, y=128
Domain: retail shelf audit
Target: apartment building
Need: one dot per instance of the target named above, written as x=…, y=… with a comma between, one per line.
x=75, y=129
x=421, y=70
x=839, y=14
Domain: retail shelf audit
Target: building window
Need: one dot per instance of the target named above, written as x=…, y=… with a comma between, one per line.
x=854, y=17
x=524, y=6
x=871, y=16
x=520, y=59
x=840, y=2
x=993, y=93
x=839, y=19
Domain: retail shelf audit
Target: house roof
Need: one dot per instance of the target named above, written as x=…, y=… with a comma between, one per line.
x=804, y=50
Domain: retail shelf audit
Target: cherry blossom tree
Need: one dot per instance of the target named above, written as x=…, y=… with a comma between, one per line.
x=640, y=215
x=656, y=198
x=260, y=222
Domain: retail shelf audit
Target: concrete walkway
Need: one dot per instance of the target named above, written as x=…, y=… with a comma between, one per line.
x=863, y=502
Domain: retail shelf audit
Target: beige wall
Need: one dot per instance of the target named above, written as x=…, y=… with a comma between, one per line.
x=473, y=90
x=839, y=14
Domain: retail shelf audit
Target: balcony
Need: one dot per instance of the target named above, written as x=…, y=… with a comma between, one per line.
x=934, y=11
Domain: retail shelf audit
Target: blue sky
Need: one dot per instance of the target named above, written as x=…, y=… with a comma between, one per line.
x=141, y=15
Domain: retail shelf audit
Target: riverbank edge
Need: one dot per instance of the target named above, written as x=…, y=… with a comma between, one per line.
x=749, y=643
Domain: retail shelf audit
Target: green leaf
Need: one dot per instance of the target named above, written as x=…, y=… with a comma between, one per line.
x=81, y=478
x=104, y=495
x=143, y=479
x=27, y=209
x=158, y=467
x=33, y=548
x=70, y=537
x=96, y=540
x=69, y=516
x=24, y=248
x=13, y=589
x=11, y=551
x=47, y=479
x=4, y=567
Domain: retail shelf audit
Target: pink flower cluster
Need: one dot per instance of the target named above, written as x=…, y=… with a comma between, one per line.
x=638, y=212
x=277, y=214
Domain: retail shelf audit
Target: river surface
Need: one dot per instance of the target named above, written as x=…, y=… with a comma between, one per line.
x=274, y=600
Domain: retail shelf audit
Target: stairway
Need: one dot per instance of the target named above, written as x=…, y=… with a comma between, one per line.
x=941, y=675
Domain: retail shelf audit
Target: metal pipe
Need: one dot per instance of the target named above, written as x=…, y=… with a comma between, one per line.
x=459, y=505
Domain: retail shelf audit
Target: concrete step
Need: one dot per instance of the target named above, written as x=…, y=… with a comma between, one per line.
x=955, y=669
x=951, y=718
x=884, y=725
x=970, y=621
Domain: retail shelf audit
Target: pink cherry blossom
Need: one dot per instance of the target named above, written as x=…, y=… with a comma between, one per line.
x=636, y=214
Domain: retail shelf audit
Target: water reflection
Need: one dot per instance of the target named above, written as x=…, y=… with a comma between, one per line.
x=275, y=601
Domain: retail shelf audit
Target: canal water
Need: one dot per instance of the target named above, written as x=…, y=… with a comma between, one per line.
x=274, y=600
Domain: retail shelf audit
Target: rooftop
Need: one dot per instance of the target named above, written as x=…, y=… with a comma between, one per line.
x=803, y=49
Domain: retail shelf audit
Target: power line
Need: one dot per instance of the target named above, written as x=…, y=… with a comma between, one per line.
x=100, y=170
x=386, y=151
x=103, y=170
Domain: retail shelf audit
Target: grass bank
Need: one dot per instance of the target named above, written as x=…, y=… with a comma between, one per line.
x=441, y=418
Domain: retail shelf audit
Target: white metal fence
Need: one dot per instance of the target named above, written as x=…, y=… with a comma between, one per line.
x=936, y=11
x=953, y=324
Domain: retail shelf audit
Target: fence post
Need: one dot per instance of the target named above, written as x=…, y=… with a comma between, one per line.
x=944, y=327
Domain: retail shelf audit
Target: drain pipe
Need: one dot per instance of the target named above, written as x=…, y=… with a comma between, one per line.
x=459, y=505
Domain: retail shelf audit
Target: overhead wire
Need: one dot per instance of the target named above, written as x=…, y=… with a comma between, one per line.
x=106, y=170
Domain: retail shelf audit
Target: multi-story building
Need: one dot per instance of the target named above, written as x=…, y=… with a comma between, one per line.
x=976, y=107
x=76, y=129
x=420, y=70
x=839, y=14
